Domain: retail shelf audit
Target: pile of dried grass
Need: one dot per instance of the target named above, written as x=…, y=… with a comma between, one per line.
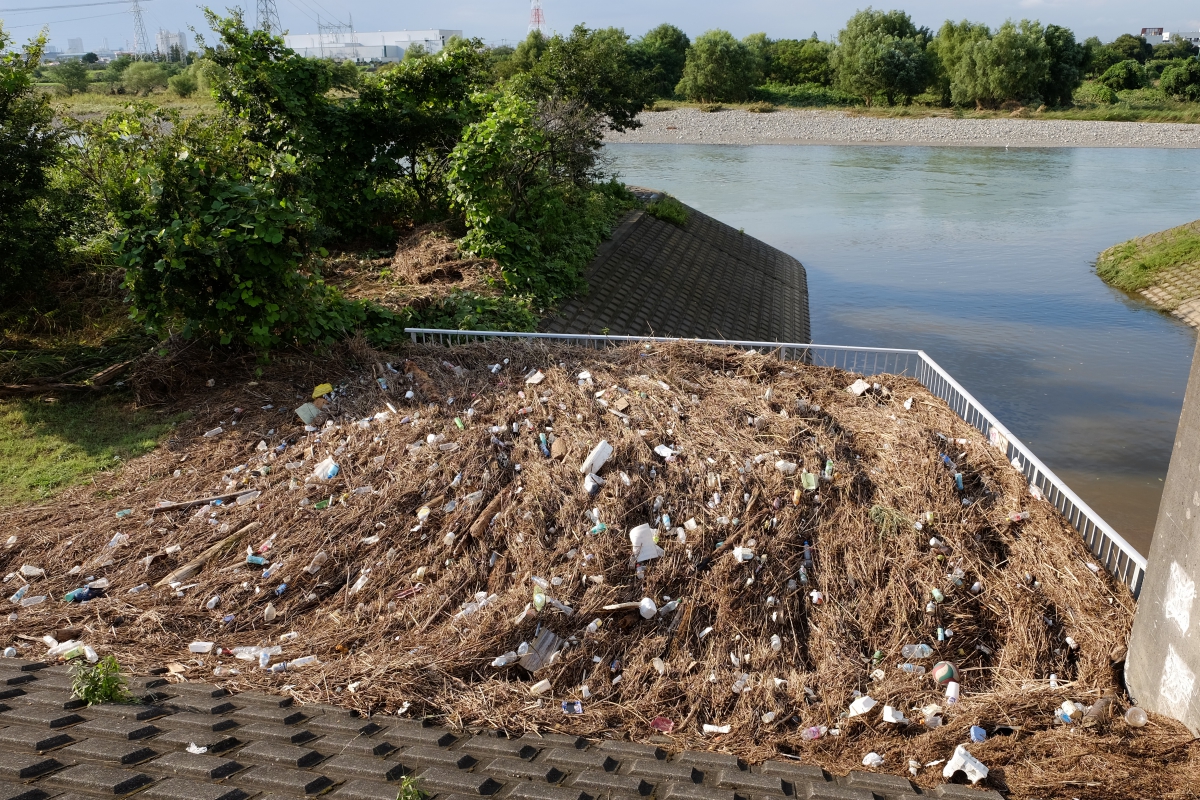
x=388, y=645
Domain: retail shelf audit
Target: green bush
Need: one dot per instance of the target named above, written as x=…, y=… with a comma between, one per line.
x=72, y=75
x=1095, y=93
x=1127, y=74
x=1182, y=81
x=668, y=209
x=184, y=84
x=101, y=682
x=805, y=95
x=470, y=311
x=143, y=77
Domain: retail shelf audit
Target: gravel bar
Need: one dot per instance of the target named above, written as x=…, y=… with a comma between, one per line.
x=787, y=126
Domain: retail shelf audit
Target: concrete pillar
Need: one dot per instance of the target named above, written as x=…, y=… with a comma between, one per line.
x=1162, y=669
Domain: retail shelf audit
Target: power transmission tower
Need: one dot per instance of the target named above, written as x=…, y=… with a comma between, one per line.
x=141, y=42
x=268, y=17
x=537, y=20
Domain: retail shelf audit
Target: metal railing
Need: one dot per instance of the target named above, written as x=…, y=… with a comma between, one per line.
x=1109, y=547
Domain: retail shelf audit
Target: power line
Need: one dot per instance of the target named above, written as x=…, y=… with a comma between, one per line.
x=69, y=5
x=56, y=21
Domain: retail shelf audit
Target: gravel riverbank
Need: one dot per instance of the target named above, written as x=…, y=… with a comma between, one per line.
x=691, y=126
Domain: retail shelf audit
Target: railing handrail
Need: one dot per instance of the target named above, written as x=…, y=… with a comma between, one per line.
x=1132, y=577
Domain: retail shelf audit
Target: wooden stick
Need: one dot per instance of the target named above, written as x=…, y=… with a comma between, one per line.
x=198, y=563
x=200, y=502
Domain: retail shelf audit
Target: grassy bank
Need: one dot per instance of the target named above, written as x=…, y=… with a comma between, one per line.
x=1139, y=263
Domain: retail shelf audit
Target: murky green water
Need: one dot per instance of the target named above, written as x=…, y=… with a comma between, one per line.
x=982, y=258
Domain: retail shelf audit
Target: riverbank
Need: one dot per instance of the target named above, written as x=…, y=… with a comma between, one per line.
x=1163, y=268
x=786, y=126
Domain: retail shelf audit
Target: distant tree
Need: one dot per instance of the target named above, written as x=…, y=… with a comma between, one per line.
x=500, y=62
x=594, y=68
x=949, y=51
x=90, y=58
x=72, y=75
x=796, y=61
x=1066, y=64
x=1099, y=57
x=1176, y=48
x=415, y=51
x=661, y=54
x=1013, y=64
x=115, y=71
x=719, y=68
x=143, y=77
x=1182, y=81
x=1132, y=47
x=529, y=52
x=761, y=47
x=184, y=84
x=1127, y=74
x=882, y=52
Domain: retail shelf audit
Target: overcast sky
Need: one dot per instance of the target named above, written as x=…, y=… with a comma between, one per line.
x=496, y=21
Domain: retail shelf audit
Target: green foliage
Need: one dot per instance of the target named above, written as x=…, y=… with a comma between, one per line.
x=1065, y=68
x=668, y=209
x=1135, y=264
x=1094, y=93
x=470, y=311
x=409, y=790
x=528, y=53
x=1131, y=47
x=73, y=75
x=798, y=62
x=1021, y=62
x=882, y=53
x=143, y=77
x=719, y=68
x=804, y=95
x=661, y=54
x=500, y=62
x=30, y=146
x=415, y=51
x=115, y=71
x=101, y=682
x=1124, y=75
x=184, y=84
x=90, y=58
x=593, y=67
x=1182, y=81
x=1176, y=48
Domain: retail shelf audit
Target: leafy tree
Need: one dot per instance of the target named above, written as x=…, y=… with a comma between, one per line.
x=661, y=54
x=950, y=50
x=143, y=77
x=73, y=75
x=500, y=61
x=1175, y=48
x=529, y=52
x=1011, y=65
x=595, y=68
x=1099, y=57
x=1182, y=81
x=719, y=68
x=1127, y=74
x=184, y=84
x=797, y=62
x=115, y=71
x=90, y=58
x=415, y=51
x=30, y=146
x=882, y=53
x=1065, y=67
x=1131, y=47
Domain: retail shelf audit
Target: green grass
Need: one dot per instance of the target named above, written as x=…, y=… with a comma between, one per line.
x=668, y=209
x=46, y=447
x=1135, y=264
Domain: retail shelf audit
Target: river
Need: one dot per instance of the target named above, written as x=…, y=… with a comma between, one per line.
x=983, y=258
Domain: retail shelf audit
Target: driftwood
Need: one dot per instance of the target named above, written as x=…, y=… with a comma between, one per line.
x=200, y=501
x=194, y=566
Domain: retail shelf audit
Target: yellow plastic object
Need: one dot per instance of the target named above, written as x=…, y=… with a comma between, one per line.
x=322, y=390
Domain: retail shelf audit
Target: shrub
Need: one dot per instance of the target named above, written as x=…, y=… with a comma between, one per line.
x=72, y=75
x=143, y=77
x=809, y=94
x=711, y=108
x=760, y=107
x=719, y=68
x=1095, y=93
x=1182, y=81
x=668, y=209
x=1126, y=74
x=101, y=682
x=184, y=84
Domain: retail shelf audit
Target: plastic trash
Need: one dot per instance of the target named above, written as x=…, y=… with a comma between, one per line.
x=248, y=498
x=952, y=692
x=196, y=750
x=872, y=759
x=861, y=705
x=911, y=669
x=30, y=571
x=536, y=378
x=596, y=458
x=1136, y=717
x=964, y=762
x=647, y=608
x=808, y=480
x=541, y=687
x=325, y=471
x=200, y=647
x=715, y=729
x=214, y=432
x=813, y=733
x=643, y=541
x=592, y=483
x=664, y=452
x=916, y=652
x=572, y=707
x=269, y=613
x=858, y=388
x=978, y=734
x=776, y=642
x=10, y=652
x=33, y=601
x=662, y=724
x=786, y=467
x=894, y=716
x=315, y=565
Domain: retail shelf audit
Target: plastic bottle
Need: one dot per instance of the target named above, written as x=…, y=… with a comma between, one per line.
x=224, y=672
x=269, y=612
x=18, y=594
x=912, y=669
x=212, y=602
x=667, y=608
x=915, y=652
x=10, y=652
x=302, y=661
x=776, y=642
x=539, y=598
x=33, y=601
x=318, y=560
x=280, y=589
x=1136, y=717
x=361, y=582
x=264, y=659
x=257, y=561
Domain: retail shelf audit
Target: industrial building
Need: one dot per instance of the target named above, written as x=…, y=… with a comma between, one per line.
x=343, y=43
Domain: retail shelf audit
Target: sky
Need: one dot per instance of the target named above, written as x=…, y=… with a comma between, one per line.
x=500, y=21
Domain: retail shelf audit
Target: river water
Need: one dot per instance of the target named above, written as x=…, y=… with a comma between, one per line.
x=983, y=258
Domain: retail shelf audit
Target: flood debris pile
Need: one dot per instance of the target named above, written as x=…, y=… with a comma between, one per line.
x=734, y=551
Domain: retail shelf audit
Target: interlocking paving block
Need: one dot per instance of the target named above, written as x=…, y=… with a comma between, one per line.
x=279, y=716
x=530, y=790
x=263, y=699
x=611, y=782
x=737, y=779
x=192, y=765
x=23, y=766
x=365, y=790
x=377, y=769
x=830, y=791
x=792, y=771
x=113, y=751
x=876, y=782
x=10, y=791
x=276, y=733
x=633, y=749
x=215, y=741
x=520, y=768
x=200, y=704
x=15, y=678
x=284, y=779
x=43, y=716
x=580, y=759
x=90, y=779
x=188, y=789
x=499, y=746
x=434, y=757
x=116, y=729
x=57, y=682
x=418, y=734
x=285, y=755
x=130, y=711
x=334, y=743
x=7, y=692
x=692, y=791
x=453, y=780
x=194, y=721
x=53, y=698
x=708, y=761
x=953, y=791
x=144, y=683
x=337, y=723
x=22, y=665
x=31, y=740
x=655, y=771
x=555, y=739
x=198, y=690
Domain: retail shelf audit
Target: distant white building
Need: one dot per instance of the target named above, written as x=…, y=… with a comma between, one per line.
x=345, y=44
x=1187, y=36
x=74, y=45
x=165, y=40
